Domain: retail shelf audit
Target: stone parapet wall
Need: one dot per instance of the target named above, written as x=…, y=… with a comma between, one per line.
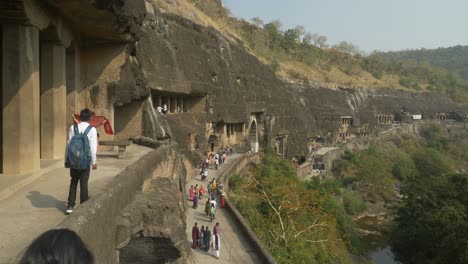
x=95, y=221
x=237, y=168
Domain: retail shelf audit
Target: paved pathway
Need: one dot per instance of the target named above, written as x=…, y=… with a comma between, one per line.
x=39, y=206
x=235, y=248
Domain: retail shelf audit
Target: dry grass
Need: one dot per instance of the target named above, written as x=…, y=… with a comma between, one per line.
x=189, y=11
x=288, y=68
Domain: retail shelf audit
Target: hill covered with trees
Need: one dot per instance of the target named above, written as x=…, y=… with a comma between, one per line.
x=454, y=59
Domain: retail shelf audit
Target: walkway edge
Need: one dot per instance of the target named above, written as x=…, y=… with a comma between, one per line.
x=236, y=168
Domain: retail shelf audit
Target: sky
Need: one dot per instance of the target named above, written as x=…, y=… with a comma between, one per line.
x=385, y=25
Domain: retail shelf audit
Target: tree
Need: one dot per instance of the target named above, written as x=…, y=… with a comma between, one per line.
x=307, y=39
x=348, y=47
x=300, y=30
x=321, y=42
x=430, y=223
x=315, y=39
x=287, y=216
x=290, y=41
x=257, y=22
x=273, y=30
x=431, y=162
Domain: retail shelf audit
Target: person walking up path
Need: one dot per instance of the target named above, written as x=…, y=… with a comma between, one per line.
x=80, y=157
x=236, y=247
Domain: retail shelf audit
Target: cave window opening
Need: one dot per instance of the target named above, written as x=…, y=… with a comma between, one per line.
x=346, y=121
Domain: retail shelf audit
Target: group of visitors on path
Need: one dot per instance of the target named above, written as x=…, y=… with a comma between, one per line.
x=196, y=193
x=202, y=238
x=213, y=161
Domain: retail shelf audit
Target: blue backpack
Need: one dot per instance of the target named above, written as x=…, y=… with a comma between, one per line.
x=79, y=152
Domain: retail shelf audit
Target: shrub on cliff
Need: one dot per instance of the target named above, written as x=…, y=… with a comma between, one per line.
x=353, y=203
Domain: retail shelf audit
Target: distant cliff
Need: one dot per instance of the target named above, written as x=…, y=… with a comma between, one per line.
x=172, y=54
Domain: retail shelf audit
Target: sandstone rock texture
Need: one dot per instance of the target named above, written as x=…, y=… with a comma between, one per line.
x=172, y=55
x=152, y=228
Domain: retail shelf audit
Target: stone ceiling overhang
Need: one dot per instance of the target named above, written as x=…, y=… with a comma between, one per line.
x=73, y=19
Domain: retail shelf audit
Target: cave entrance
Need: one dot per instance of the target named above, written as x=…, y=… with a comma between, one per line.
x=213, y=140
x=149, y=250
x=253, y=137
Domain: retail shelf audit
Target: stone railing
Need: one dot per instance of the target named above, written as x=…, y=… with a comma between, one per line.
x=237, y=168
x=95, y=221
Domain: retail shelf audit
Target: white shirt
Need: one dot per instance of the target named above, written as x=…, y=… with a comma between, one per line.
x=92, y=136
x=159, y=108
x=213, y=202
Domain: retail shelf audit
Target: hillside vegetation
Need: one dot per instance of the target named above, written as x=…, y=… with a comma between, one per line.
x=454, y=59
x=431, y=170
x=302, y=56
x=296, y=223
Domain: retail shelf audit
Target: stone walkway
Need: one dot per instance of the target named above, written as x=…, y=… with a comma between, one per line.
x=39, y=206
x=235, y=248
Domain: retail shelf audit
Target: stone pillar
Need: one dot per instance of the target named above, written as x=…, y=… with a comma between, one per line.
x=71, y=84
x=21, y=128
x=53, y=100
x=169, y=105
x=182, y=104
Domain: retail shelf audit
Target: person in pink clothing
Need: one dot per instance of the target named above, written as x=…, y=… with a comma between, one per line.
x=192, y=193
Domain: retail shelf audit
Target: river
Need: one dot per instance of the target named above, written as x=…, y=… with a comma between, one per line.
x=370, y=227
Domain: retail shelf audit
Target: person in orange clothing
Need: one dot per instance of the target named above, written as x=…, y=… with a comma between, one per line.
x=201, y=192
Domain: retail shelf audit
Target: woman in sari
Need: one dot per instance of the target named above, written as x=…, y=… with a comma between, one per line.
x=195, y=236
x=207, y=207
x=207, y=238
x=213, y=185
x=201, y=241
x=201, y=192
x=195, y=202
x=192, y=193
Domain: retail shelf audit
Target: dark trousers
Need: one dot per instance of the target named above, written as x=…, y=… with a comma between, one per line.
x=81, y=176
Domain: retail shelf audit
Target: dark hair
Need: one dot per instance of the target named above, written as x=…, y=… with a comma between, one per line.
x=86, y=114
x=56, y=247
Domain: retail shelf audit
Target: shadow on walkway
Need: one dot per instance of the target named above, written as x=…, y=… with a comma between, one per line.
x=45, y=201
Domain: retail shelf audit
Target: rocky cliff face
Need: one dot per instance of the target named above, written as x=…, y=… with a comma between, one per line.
x=169, y=54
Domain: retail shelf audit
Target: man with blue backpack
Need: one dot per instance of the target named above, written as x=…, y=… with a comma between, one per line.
x=80, y=157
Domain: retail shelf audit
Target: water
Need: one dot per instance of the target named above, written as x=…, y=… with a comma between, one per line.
x=383, y=256
x=374, y=239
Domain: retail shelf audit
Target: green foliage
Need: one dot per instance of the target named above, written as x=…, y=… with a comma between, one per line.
x=403, y=167
x=454, y=59
x=430, y=162
x=288, y=216
x=435, y=138
x=326, y=187
x=430, y=224
x=235, y=182
x=345, y=223
x=353, y=203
